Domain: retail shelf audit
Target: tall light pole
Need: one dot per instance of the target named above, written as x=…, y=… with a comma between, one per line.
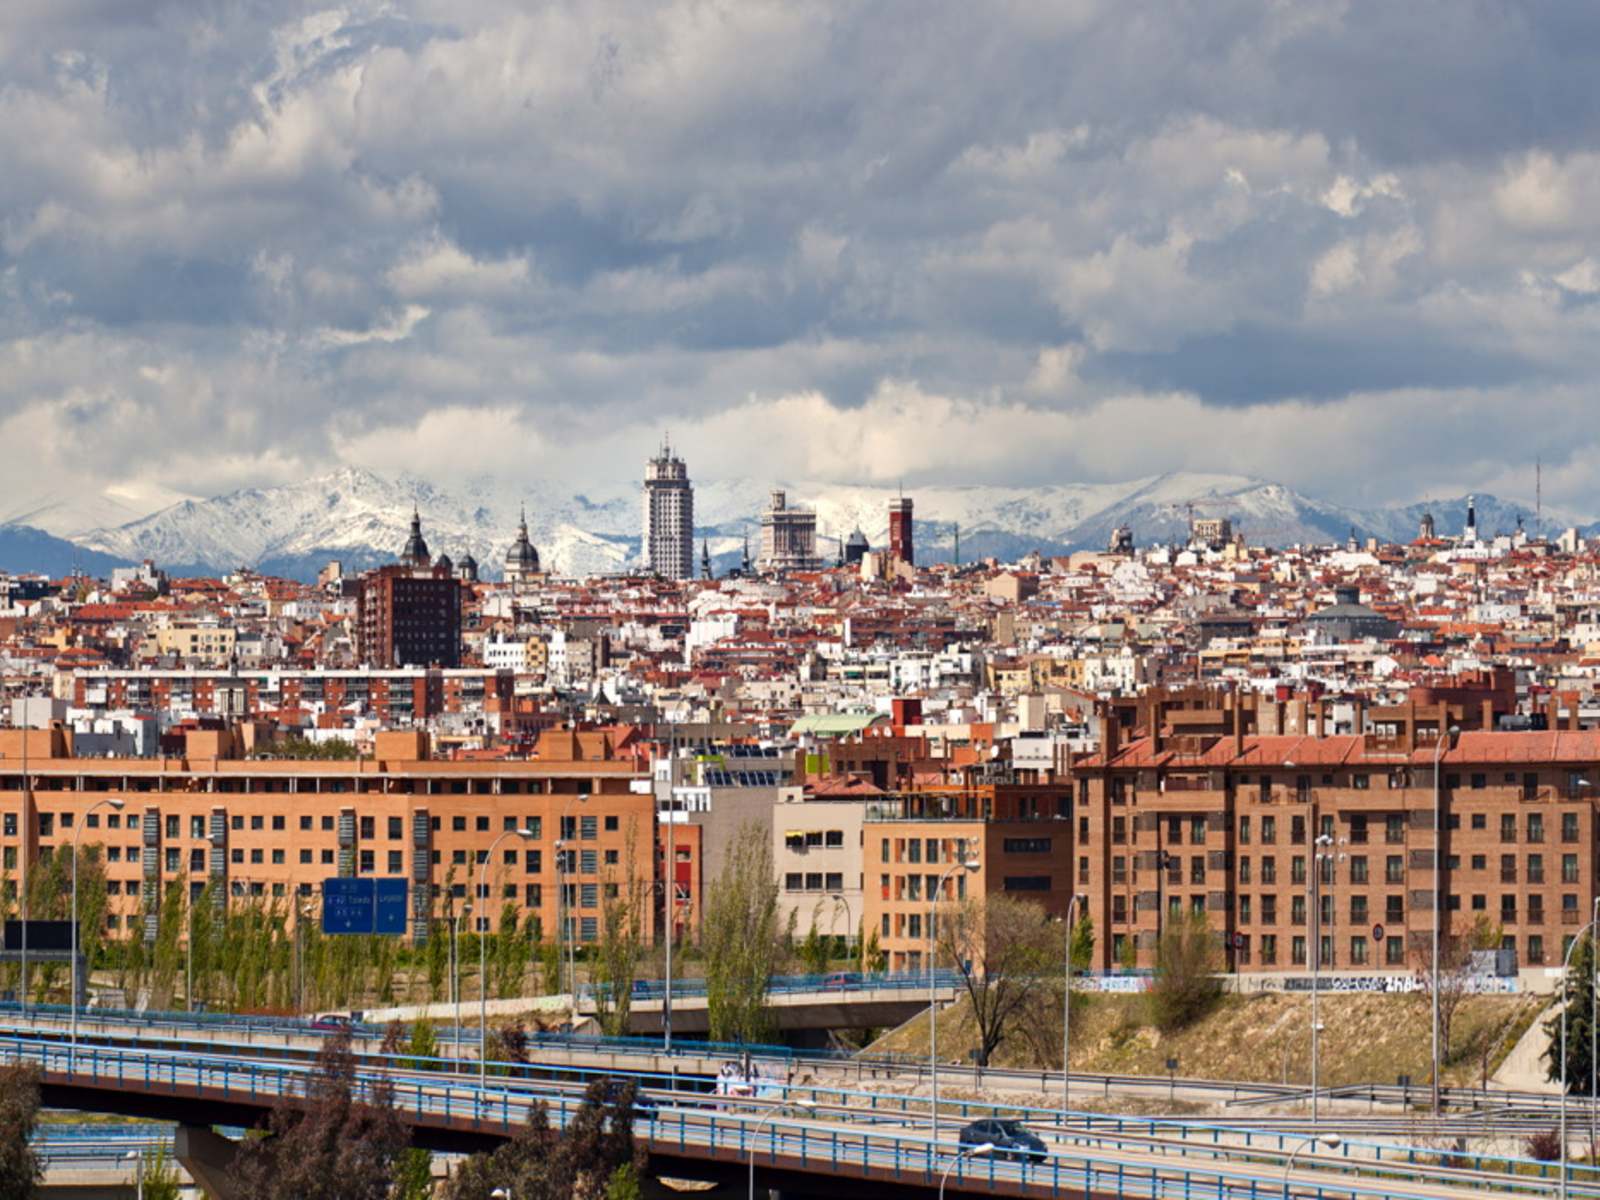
x=838, y=898
x=1066, y=1011
x=977, y=1151
x=137, y=1158
x=671, y=880
x=1331, y=1140
x=1438, y=857
x=1316, y=960
x=564, y=910
x=483, y=952
x=969, y=863
x=109, y=802
x=455, y=970
x=1594, y=1012
x=1566, y=964
x=802, y=1105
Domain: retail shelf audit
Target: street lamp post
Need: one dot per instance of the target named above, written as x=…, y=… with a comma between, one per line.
x=483, y=953
x=137, y=1158
x=802, y=1105
x=1566, y=965
x=108, y=802
x=565, y=909
x=1331, y=1140
x=969, y=863
x=977, y=1151
x=1438, y=857
x=1066, y=1011
x=1316, y=962
x=455, y=970
x=838, y=898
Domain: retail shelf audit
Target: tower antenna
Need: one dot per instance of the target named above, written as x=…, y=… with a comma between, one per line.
x=1538, y=497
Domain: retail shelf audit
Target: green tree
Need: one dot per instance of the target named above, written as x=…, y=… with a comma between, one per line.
x=814, y=950
x=743, y=940
x=161, y=1175
x=413, y=1175
x=1007, y=953
x=20, y=1168
x=620, y=951
x=1186, y=985
x=511, y=953
x=425, y=1046
x=1577, y=991
x=873, y=957
x=550, y=969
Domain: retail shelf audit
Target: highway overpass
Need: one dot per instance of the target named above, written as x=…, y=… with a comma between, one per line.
x=846, y=1145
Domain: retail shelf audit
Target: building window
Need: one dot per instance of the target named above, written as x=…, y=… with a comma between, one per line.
x=1394, y=951
x=396, y=828
x=396, y=862
x=1027, y=845
x=1027, y=883
x=1297, y=950
x=1244, y=831
x=1269, y=835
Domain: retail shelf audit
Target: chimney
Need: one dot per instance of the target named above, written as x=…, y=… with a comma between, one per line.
x=1359, y=721
x=1110, y=741
x=1572, y=712
x=1297, y=716
x=1488, y=714
x=1411, y=723
x=1153, y=724
x=1322, y=718
x=1238, y=726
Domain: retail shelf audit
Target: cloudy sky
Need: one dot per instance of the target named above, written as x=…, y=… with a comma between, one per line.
x=1349, y=246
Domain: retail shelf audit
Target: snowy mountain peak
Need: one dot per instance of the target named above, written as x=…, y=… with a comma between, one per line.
x=361, y=517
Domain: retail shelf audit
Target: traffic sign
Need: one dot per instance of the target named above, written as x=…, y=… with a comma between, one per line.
x=363, y=905
x=389, y=905
x=1377, y=933
x=1238, y=941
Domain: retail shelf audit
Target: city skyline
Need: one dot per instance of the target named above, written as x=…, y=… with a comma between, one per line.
x=1310, y=244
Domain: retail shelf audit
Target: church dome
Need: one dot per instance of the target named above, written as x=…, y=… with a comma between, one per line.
x=416, y=553
x=522, y=560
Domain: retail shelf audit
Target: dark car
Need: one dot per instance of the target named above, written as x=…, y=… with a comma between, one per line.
x=1009, y=1138
x=643, y=1105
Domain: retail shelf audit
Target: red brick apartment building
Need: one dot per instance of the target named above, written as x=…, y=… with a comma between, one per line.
x=273, y=829
x=1196, y=811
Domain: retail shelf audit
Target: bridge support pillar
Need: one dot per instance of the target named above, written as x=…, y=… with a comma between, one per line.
x=207, y=1156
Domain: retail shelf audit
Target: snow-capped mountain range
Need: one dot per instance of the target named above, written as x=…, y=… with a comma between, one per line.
x=362, y=518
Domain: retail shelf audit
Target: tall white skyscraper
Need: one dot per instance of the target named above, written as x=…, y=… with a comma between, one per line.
x=668, y=516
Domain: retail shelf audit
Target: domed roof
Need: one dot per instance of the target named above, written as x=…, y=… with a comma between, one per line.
x=443, y=563
x=522, y=558
x=467, y=560
x=416, y=553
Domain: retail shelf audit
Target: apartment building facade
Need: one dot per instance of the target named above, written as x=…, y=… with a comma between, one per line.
x=272, y=830
x=917, y=847
x=1309, y=850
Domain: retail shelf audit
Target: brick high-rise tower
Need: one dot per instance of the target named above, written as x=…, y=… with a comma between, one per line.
x=901, y=545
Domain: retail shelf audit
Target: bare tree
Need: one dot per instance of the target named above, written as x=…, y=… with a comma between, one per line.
x=330, y=1145
x=1456, y=953
x=1007, y=951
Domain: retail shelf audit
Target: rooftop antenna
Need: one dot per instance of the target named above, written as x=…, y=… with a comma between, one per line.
x=1538, y=497
x=958, y=543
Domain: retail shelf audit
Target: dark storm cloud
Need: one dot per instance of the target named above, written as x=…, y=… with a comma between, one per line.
x=1032, y=218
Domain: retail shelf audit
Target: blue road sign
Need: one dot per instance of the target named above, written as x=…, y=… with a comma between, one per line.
x=389, y=905
x=363, y=905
